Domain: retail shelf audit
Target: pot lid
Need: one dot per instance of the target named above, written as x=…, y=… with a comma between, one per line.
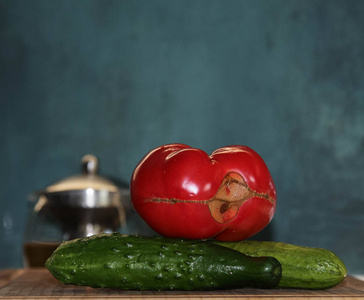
x=89, y=179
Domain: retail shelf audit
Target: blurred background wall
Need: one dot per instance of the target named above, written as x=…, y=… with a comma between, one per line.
x=118, y=78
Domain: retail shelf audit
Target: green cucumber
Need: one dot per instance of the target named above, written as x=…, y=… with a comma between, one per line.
x=302, y=267
x=133, y=262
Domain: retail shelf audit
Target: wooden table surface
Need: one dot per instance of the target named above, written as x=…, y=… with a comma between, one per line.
x=40, y=284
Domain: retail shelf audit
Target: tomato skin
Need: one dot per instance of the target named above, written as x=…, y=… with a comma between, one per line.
x=182, y=191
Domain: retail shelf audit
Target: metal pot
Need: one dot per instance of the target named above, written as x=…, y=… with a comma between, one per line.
x=74, y=207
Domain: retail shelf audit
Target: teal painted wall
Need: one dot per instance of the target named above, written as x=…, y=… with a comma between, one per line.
x=118, y=78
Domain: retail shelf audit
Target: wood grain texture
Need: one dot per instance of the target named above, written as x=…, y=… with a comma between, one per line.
x=40, y=284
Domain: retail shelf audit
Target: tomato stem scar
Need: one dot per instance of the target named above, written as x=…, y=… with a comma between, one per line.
x=225, y=204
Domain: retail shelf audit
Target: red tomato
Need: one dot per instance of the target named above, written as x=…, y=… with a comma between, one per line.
x=183, y=192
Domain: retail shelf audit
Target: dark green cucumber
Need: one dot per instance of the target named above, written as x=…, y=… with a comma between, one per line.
x=302, y=267
x=133, y=262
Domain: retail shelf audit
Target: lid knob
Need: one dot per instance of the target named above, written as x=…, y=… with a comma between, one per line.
x=89, y=164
